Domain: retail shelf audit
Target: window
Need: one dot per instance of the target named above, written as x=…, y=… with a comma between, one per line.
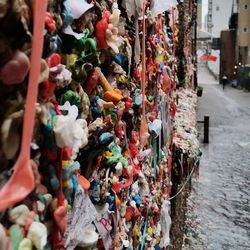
x=245, y=6
x=245, y=29
x=217, y=7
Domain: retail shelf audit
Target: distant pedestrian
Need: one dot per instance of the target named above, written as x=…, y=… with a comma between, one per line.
x=224, y=81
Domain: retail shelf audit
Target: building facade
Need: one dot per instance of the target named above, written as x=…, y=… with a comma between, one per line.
x=243, y=33
x=219, y=12
x=235, y=45
x=199, y=13
x=227, y=53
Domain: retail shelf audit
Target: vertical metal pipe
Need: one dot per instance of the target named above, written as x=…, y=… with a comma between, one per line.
x=195, y=44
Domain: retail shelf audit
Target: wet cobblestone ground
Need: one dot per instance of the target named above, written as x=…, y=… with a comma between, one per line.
x=218, y=214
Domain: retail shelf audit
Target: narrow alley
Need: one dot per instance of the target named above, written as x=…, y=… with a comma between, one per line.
x=99, y=143
x=220, y=201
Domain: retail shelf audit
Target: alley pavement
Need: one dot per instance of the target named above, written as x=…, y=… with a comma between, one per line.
x=221, y=197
